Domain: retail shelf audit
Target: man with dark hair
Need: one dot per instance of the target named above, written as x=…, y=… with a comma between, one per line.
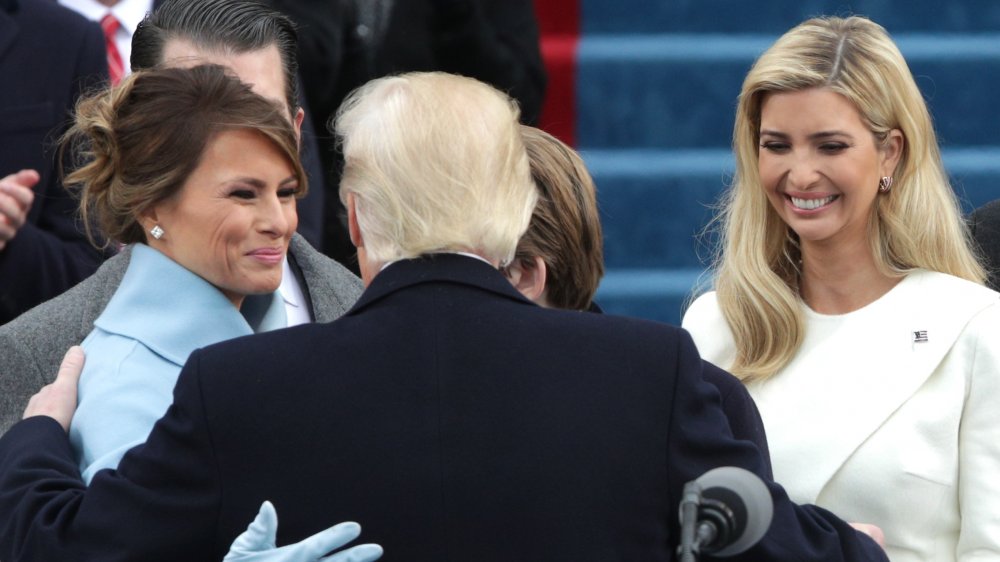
x=257, y=43
x=233, y=26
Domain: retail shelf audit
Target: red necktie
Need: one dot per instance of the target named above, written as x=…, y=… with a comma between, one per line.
x=116, y=68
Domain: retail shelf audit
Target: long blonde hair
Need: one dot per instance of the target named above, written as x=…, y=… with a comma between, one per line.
x=917, y=225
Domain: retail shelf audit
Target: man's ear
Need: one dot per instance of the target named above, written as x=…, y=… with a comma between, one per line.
x=352, y=222
x=367, y=268
x=528, y=277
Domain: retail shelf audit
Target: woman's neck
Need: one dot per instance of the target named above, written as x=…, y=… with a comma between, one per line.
x=837, y=279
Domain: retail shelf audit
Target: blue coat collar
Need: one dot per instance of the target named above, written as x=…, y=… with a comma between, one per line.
x=172, y=311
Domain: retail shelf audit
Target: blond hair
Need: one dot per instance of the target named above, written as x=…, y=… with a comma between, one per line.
x=136, y=144
x=435, y=162
x=917, y=225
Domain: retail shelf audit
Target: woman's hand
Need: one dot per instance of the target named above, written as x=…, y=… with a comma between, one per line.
x=58, y=400
x=257, y=543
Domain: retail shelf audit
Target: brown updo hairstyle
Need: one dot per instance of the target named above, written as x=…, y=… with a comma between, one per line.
x=136, y=144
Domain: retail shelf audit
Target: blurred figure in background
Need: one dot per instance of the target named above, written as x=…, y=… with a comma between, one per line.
x=118, y=20
x=43, y=250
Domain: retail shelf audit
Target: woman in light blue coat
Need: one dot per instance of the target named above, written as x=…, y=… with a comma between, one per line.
x=200, y=175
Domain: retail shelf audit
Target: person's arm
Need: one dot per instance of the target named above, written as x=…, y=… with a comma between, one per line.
x=979, y=445
x=164, y=491
x=700, y=440
x=741, y=411
x=495, y=41
x=44, y=258
x=49, y=253
x=36, y=460
x=20, y=377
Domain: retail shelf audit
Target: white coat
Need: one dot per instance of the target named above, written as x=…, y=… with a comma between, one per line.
x=890, y=414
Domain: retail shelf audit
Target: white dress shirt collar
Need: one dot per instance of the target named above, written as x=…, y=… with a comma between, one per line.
x=296, y=308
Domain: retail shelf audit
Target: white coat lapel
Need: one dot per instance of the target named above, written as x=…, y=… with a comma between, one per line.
x=840, y=395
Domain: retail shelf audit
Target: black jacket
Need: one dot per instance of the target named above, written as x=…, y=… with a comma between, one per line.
x=48, y=56
x=984, y=223
x=451, y=417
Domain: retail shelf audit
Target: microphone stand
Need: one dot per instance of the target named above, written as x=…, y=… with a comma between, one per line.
x=702, y=519
x=690, y=500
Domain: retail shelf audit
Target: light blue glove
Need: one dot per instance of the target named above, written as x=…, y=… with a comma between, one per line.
x=256, y=544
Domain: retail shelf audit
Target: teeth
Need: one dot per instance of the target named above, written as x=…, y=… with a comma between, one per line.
x=810, y=204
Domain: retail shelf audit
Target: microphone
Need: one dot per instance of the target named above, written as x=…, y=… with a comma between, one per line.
x=723, y=512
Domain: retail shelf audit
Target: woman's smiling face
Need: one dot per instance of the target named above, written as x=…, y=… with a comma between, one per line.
x=232, y=220
x=820, y=165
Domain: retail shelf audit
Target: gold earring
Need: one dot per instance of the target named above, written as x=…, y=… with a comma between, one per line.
x=885, y=184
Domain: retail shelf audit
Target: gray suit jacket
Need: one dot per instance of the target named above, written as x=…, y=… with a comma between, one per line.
x=32, y=345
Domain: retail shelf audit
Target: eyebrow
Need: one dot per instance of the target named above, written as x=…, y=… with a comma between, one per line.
x=253, y=182
x=815, y=136
x=260, y=184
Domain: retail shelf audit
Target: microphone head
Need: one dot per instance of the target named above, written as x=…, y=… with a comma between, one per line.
x=753, y=518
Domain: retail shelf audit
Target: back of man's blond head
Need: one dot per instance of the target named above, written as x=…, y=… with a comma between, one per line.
x=435, y=162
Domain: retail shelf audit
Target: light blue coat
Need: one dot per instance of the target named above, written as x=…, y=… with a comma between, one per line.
x=160, y=313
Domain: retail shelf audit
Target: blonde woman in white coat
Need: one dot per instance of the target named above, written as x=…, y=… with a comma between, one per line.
x=848, y=299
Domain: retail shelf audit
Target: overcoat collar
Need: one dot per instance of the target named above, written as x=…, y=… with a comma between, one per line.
x=929, y=312
x=437, y=268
